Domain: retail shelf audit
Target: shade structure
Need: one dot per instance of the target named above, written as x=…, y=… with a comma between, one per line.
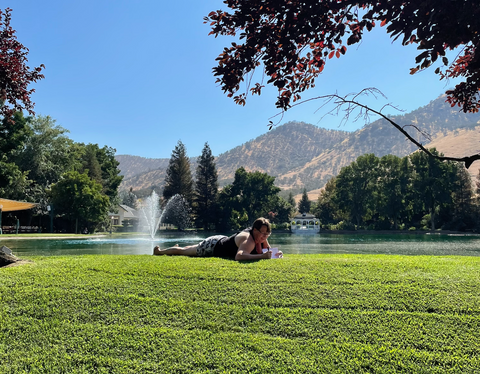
x=13, y=205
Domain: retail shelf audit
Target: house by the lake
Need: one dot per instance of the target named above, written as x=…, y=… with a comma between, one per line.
x=305, y=223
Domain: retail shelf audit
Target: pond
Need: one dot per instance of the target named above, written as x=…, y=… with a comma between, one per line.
x=401, y=244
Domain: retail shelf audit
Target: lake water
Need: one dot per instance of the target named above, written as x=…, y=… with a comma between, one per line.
x=402, y=244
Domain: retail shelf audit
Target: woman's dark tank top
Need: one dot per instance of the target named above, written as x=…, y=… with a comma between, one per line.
x=226, y=247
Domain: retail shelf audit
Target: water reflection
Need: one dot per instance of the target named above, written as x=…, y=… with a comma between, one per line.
x=401, y=244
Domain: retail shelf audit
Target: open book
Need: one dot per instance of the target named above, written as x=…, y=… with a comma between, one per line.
x=275, y=252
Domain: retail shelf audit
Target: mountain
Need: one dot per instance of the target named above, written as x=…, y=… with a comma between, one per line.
x=143, y=173
x=435, y=119
x=135, y=165
x=281, y=150
x=302, y=155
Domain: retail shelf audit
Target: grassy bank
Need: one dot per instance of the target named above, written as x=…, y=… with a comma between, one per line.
x=302, y=314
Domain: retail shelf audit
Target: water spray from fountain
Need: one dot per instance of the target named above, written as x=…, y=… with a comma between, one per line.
x=176, y=211
x=152, y=214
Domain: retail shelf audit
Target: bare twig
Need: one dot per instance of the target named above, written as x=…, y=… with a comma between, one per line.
x=347, y=106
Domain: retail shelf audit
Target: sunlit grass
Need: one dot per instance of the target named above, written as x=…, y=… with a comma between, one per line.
x=301, y=314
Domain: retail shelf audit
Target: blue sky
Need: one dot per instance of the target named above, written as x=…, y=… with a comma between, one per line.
x=136, y=76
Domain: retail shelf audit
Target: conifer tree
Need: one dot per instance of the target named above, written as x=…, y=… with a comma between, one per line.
x=90, y=164
x=292, y=203
x=206, y=189
x=178, y=179
x=304, y=204
x=463, y=199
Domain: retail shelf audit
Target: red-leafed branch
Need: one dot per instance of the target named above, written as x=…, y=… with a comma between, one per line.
x=292, y=40
x=15, y=75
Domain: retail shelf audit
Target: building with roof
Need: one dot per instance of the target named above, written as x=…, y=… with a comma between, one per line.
x=305, y=223
x=124, y=213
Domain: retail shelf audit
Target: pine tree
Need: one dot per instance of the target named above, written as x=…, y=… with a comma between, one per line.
x=91, y=165
x=128, y=198
x=206, y=189
x=178, y=179
x=292, y=203
x=463, y=199
x=304, y=204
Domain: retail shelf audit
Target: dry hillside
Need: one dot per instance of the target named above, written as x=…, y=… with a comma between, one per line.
x=302, y=155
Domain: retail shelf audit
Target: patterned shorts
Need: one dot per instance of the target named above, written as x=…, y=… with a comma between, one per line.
x=205, y=247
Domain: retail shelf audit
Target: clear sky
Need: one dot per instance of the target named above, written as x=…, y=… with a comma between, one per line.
x=136, y=76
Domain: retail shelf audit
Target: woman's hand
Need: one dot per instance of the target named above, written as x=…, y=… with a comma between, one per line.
x=267, y=254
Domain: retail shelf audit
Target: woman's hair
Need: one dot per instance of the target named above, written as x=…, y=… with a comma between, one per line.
x=259, y=222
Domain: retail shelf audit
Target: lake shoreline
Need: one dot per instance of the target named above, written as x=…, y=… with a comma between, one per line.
x=400, y=232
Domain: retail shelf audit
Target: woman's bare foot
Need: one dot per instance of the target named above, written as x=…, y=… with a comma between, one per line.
x=156, y=250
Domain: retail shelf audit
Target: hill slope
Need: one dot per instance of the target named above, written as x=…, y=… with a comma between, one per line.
x=381, y=138
x=302, y=155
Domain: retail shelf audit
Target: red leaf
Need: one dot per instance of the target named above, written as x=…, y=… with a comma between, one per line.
x=331, y=54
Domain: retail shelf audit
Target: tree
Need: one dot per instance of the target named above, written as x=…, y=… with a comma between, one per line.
x=294, y=40
x=90, y=164
x=463, y=200
x=291, y=202
x=433, y=182
x=393, y=187
x=279, y=32
x=356, y=188
x=178, y=179
x=46, y=151
x=281, y=210
x=177, y=212
x=13, y=132
x=79, y=198
x=206, y=190
x=15, y=75
x=108, y=175
x=251, y=195
x=326, y=210
x=304, y=204
x=128, y=198
x=45, y=155
x=13, y=183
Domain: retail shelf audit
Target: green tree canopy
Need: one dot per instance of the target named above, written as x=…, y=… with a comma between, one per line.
x=108, y=176
x=304, y=204
x=356, y=187
x=393, y=188
x=128, y=198
x=206, y=190
x=78, y=197
x=433, y=183
x=326, y=209
x=178, y=179
x=45, y=155
x=13, y=133
x=295, y=39
x=250, y=196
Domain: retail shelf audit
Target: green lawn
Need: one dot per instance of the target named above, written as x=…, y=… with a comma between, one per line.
x=301, y=314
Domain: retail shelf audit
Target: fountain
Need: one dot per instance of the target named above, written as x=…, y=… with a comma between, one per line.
x=176, y=210
x=151, y=214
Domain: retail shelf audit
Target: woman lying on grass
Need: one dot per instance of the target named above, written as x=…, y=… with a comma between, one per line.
x=244, y=245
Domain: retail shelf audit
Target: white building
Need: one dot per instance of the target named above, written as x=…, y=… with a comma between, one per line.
x=305, y=224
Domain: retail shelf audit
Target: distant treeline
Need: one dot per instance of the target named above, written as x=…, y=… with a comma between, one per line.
x=409, y=193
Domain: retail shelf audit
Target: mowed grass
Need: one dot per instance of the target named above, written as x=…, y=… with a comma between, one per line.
x=301, y=314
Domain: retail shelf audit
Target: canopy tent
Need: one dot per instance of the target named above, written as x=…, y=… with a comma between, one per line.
x=12, y=205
